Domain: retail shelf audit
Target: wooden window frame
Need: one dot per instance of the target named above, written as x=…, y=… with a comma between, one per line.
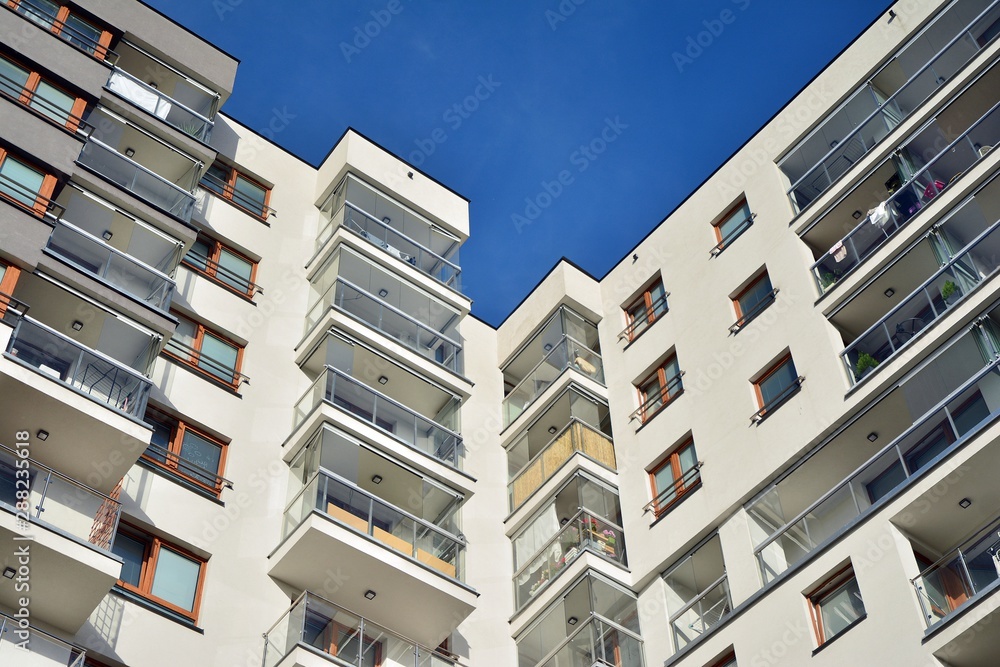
x=744, y=317
x=229, y=190
x=210, y=270
x=646, y=300
x=43, y=199
x=724, y=242
x=7, y=285
x=774, y=368
x=30, y=90
x=822, y=592
x=196, y=345
x=101, y=48
x=153, y=545
x=673, y=459
x=743, y=292
x=663, y=383
x=728, y=659
x=178, y=428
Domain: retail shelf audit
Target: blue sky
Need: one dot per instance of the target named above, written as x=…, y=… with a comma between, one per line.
x=573, y=126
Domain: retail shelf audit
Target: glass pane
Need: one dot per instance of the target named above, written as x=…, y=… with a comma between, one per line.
x=203, y=453
x=688, y=457
x=131, y=552
x=81, y=33
x=664, y=478
x=161, y=439
x=176, y=579
x=841, y=608
x=249, y=194
x=19, y=181
x=234, y=270
x=42, y=12
x=52, y=102
x=757, y=293
x=12, y=78
x=732, y=223
x=217, y=177
x=218, y=358
x=780, y=380
x=198, y=254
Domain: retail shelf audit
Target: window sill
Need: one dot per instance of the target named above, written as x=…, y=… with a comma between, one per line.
x=840, y=634
x=156, y=609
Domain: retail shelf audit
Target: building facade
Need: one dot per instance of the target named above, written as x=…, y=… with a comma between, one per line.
x=248, y=419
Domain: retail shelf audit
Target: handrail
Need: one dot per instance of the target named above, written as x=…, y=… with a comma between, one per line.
x=207, y=124
x=570, y=524
x=663, y=395
x=82, y=127
x=11, y=306
x=38, y=16
x=50, y=204
x=195, y=357
x=758, y=308
x=594, y=619
x=859, y=126
x=746, y=224
x=252, y=288
x=975, y=538
x=61, y=222
x=196, y=470
x=98, y=142
x=565, y=338
x=8, y=623
x=213, y=184
x=652, y=311
x=778, y=400
x=698, y=598
x=684, y=480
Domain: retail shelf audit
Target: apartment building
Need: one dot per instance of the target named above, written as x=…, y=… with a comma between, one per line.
x=248, y=420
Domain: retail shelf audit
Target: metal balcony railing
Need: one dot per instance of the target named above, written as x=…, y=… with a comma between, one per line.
x=775, y=402
x=393, y=242
x=209, y=480
x=888, y=113
x=585, y=531
x=220, y=274
x=758, y=308
x=597, y=642
x=650, y=315
x=734, y=234
x=41, y=13
x=61, y=502
x=28, y=199
x=84, y=370
x=20, y=645
x=98, y=259
x=688, y=480
x=883, y=222
x=567, y=353
x=703, y=612
x=137, y=179
x=394, y=528
x=43, y=106
x=162, y=106
x=242, y=200
x=576, y=436
x=393, y=322
x=336, y=388
x=673, y=388
x=360, y=641
x=194, y=358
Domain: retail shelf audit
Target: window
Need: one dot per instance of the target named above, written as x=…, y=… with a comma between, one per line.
x=775, y=385
x=836, y=605
x=728, y=661
x=237, y=188
x=736, y=221
x=211, y=353
x=160, y=572
x=644, y=310
x=657, y=390
x=30, y=89
x=754, y=298
x=8, y=280
x=25, y=185
x=223, y=265
x=69, y=25
x=185, y=451
x=673, y=477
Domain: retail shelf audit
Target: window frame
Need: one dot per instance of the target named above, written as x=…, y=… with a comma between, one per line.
x=8, y=282
x=663, y=384
x=29, y=91
x=229, y=193
x=196, y=346
x=766, y=409
x=43, y=198
x=832, y=585
x=150, y=557
x=102, y=46
x=723, y=242
x=743, y=318
x=211, y=269
x=178, y=429
x=680, y=487
x=645, y=300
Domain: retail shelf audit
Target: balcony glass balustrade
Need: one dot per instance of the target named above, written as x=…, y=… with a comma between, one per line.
x=882, y=102
x=955, y=414
x=697, y=593
x=699, y=615
x=343, y=392
x=40, y=650
x=944, y=290
x=598, y=643
x=108, y=264
x=960, y=575
x=356, y=509
x=343, y=638
x=567, y=353
x=86, y=371
x=58, y=501
x=940, y=172
x=164, y=107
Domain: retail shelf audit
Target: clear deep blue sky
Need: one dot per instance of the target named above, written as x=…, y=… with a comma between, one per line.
x=557, y=73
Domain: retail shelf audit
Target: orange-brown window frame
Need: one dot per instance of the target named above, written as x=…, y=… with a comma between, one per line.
x=153, y=544
x=199, y=339
x=44, y=196
x=229, y=190
x=820, y=593
x=646, y=300
x=178, y=427
x=103, y=42
x=30, y=90
x=722, y=243
x=663, y=382
x=681, y=489
x=7, y=285
x=210, y=270
x=774, y=368
x=736, y=299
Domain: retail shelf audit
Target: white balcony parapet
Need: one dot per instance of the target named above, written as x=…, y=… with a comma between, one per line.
x=164, y=107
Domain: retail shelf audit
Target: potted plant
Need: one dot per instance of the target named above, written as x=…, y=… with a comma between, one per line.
x=948, y=291
x=864, y=365
x=826, y=280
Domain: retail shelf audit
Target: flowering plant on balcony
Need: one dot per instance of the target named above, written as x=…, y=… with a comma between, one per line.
x=609, y=536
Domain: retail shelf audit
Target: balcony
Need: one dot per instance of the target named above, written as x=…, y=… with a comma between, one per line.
x=896, y=90
x=594, y=623
x=144, y=165
x=163, y=91
x=697, y=593
x=399, y=231
x=71, y=527
x=43, y=649
x=315, y=632
x=934, y=411
x=910, y=183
